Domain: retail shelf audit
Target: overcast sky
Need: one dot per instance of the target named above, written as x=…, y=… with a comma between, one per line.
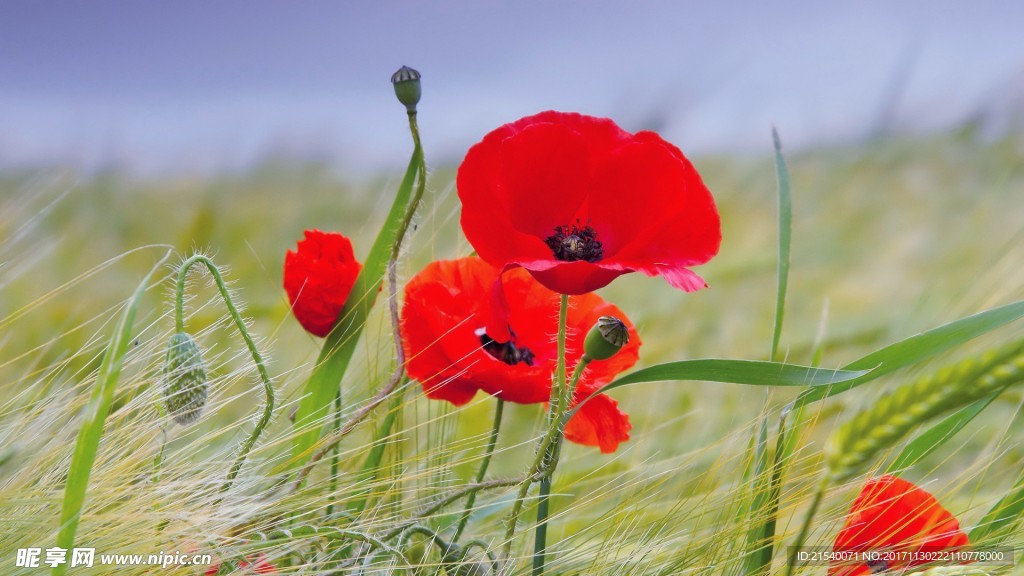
x=199, y=85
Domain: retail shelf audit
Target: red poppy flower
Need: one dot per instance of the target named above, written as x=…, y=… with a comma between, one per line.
x=578, y=201
x=318, y=278
x=892, y=514
x=450, y=353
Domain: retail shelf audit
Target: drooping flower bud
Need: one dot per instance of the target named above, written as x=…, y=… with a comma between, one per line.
x=185, y=386
x=407, y=87
x=605, y=339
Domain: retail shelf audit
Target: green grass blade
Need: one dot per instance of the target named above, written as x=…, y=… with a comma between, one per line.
x=926, y=442
x=917, y=348
x=785, y=241
x=759, y=550
x=760, y=538
x=752, y=372
x=95, y=414
x=341, y=343
x=1002, y=518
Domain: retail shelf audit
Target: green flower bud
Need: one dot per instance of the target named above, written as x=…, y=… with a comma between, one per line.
x=184, y=379
x=407, y=87
x=605, y=339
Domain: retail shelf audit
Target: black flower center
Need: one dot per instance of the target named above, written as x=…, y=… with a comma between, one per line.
x=575, y=242
x=507, y=352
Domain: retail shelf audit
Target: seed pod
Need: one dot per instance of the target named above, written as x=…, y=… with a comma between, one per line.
x=606, y=338
x=407, y=87
x=185, y=385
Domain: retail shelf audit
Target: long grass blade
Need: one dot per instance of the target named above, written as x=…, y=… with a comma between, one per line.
x=1002, y=518
x=752, y=372
x=341, y=343
x=95, y=414
x=785, y=240
x=926, y=442
x=760, y=539
x=918, y=348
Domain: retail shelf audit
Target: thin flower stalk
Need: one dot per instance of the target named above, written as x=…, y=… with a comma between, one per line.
x=261, y=368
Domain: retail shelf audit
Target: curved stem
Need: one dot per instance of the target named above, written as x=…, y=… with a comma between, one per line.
x=488, y=452
x=329, y=532
x=179, y=321
x=392, y=270
x=455, y=496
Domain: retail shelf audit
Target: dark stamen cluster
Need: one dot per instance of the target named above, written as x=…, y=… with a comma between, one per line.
x=575, y=242
x=506, y=351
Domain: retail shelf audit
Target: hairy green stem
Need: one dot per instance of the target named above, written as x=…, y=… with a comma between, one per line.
x=179, y=321
x=550, y=437
x=334, y=455
x=332, y=440
x=329, y=532
x=551, y=463
x=455, y=496
x=484, y=463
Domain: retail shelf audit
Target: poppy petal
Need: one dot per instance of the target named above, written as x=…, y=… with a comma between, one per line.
x=676, y=222
x=891, y=513
x=318, y=277
x=599, y=422
x=578, y=277
x=578, y=201
x=452, y=353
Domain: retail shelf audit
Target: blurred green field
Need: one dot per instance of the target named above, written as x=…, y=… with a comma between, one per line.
x=890, y=238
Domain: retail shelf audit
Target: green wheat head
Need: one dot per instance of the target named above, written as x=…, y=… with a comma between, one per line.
x=858, y=441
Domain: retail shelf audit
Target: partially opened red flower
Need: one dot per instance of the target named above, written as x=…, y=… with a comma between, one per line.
x=578, y=201
x=318, y=277
x=891, y=514
x=449, y=351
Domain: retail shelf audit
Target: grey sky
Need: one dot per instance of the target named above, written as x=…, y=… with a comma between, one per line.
x=211, y=85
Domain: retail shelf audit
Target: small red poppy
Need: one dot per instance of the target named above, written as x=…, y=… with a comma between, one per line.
x=893, y=515
x=450, y=353
x=318, y=277
x=578, y=201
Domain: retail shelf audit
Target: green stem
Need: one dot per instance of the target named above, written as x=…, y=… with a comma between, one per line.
x=566, y=391
x=455, y=496
x=566, y=413
x=488, y=452
x=806, y=528
x=334, y=455
x=331, y=440
x=179, y=322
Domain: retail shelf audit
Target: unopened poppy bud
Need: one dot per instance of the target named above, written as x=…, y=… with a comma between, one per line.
x=407, y=87
x=605, y=339
x=184, y=379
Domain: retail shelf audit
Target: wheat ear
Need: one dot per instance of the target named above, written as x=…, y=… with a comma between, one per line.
x=858, y=441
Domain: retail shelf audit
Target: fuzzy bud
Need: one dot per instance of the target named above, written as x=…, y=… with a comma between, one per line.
x=606, y=338
x=185, y=385
x=407, y=87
